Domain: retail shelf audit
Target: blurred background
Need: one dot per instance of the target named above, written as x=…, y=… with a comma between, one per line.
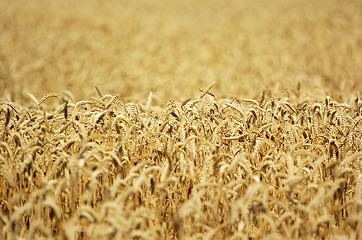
x=173, y=48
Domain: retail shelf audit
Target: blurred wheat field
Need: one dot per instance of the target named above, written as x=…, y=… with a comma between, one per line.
x=180, y=120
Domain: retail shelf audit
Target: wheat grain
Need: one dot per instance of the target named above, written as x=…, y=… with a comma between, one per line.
x=47, y=96
x=268, y=164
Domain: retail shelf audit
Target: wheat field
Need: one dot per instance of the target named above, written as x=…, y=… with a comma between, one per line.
x=180, y=119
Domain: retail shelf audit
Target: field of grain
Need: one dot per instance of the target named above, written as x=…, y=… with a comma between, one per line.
x=180, y=119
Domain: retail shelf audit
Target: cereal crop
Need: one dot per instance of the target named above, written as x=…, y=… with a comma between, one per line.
x=180, y=120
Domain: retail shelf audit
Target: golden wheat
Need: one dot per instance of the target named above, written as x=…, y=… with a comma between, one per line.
x=180, y=120
x=204, y=173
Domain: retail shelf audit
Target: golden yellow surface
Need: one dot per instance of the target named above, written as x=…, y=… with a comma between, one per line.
x=180, y=119
x=173, y=48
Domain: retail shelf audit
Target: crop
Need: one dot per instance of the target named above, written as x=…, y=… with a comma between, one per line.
x=180, y=120
x=204, y=168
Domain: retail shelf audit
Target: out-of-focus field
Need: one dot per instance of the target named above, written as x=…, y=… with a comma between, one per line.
x=173, y=47
x=180, y=119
